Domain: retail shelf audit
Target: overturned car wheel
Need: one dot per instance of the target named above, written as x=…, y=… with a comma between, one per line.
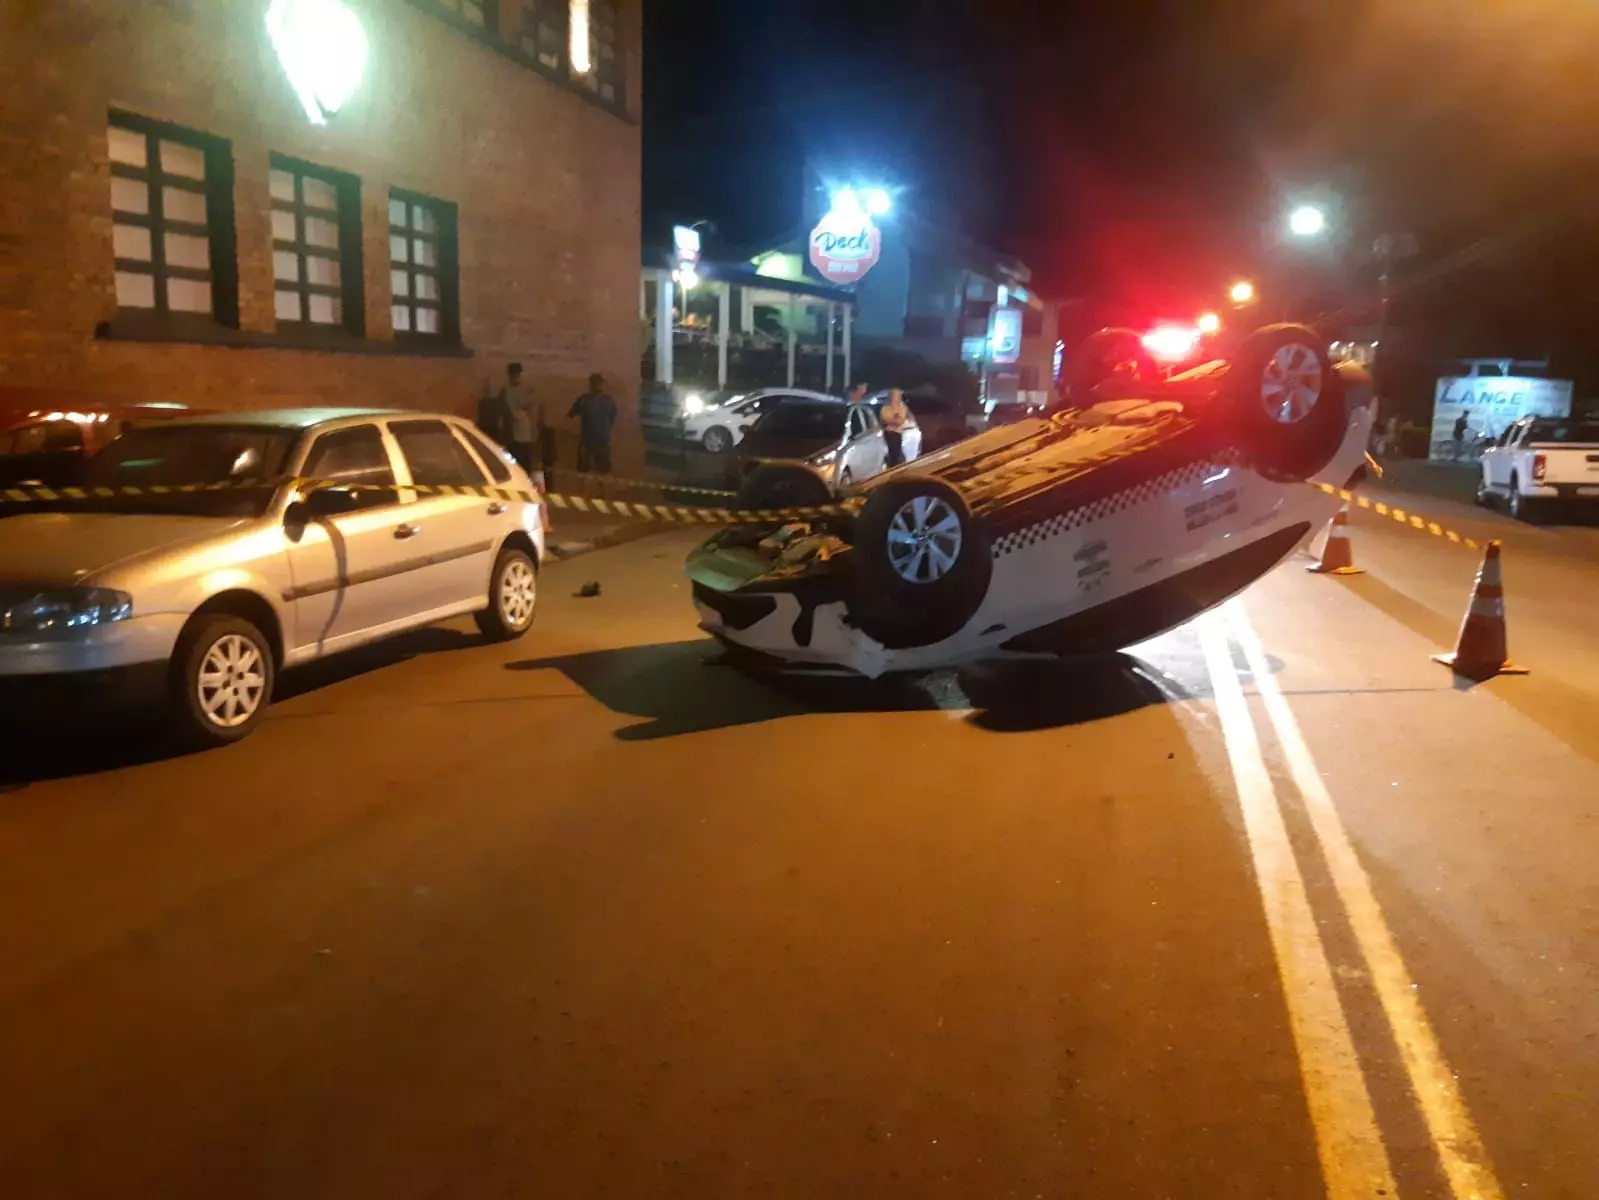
x=1286, y=402
x=782, y=485
x=922, y=563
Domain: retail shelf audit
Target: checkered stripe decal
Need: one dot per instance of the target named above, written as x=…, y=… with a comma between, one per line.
x=1106, y=506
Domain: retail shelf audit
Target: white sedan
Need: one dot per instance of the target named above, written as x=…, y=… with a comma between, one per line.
x=718, y=428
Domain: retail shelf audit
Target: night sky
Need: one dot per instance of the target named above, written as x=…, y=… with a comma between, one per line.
x=1140, y=154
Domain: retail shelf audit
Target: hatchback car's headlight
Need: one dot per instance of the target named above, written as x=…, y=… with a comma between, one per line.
x=56, y=609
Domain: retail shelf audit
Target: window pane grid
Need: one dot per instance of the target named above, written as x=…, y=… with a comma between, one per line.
x=417, y=266
x=308, y=259
x=161, y=232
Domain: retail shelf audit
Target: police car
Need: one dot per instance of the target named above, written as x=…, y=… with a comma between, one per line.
x=1082, y=532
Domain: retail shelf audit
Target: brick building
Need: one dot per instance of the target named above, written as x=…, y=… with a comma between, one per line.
x=176, y=225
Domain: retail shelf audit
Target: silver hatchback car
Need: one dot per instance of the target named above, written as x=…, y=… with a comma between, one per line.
x=197, y=597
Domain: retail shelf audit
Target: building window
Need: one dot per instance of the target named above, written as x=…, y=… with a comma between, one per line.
x=316, y=246
x=604, y=76
x=473, y=12
x=172, y=222
x=544, y=32
x=422, y=267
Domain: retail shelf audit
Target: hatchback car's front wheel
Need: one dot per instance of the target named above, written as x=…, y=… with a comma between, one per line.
x=221, y=682
x=513, y=597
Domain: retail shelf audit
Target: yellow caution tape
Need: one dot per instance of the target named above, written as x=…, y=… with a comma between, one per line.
x=633, y=510
x=622, y=481
x=1413, y=520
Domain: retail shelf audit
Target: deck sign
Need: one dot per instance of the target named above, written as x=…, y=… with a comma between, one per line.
x=845, y=244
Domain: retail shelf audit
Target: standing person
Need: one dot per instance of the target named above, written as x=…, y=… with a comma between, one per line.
x=547, y=447
x=1462, y=424
x=492, y=417
x=520, y=417
x=596, y=414
x=895, y=416
x=857, y=394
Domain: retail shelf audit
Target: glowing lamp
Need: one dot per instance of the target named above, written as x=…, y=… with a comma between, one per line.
x=1243, y=292
x=1307, y=221
x=322, y=48
x=1209, y=322
x=1171, y=343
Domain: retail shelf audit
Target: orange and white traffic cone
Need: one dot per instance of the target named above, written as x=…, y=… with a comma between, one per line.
x=1481, y=652
x=1336, y=556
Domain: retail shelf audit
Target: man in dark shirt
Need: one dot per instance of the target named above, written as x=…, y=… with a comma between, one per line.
x=596, y=414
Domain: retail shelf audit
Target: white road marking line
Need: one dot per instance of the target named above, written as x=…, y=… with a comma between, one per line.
x=1354, y=1162
x=1454, y=1135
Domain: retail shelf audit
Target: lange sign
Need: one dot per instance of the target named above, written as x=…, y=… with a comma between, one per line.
x=845, y=243
x=322, y=48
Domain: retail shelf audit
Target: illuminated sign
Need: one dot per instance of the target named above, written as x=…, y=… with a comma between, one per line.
x=1005, y=335
x=322, y=48
x=845, y=244
x=686, y=241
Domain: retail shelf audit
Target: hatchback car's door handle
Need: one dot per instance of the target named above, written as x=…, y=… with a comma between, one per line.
x=496, y=509
x=406, y=531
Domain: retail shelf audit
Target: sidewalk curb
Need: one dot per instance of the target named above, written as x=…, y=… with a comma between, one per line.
x=564, y=550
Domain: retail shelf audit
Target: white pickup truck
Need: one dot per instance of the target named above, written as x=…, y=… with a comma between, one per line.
x=1540, y=463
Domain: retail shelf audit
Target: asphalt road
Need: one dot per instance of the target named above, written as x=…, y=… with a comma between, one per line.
x=1271, y=908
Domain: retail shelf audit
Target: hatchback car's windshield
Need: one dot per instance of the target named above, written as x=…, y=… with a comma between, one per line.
x=247, y=458
x=808, y=422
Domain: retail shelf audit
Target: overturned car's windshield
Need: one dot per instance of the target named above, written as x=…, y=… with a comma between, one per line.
x=241, y=463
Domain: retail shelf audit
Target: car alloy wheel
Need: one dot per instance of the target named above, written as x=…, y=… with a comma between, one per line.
x=518, y=593
x=924, y=539
x=1291, y=383
x=231, y=685
x=718, y=440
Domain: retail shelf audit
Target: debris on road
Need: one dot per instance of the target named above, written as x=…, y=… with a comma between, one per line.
x=589, y=590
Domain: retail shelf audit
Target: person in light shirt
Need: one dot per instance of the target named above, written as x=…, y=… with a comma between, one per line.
x=895, y=416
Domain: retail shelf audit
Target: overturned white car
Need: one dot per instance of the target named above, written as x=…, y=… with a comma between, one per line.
x=1079, y=533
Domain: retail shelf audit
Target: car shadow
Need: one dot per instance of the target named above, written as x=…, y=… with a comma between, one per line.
x=34, y=751
x=390, y=652
x=693, y=687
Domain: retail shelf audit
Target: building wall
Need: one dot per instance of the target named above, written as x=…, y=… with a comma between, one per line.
x=546, y=182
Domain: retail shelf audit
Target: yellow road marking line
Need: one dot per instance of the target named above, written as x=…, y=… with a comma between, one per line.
x=1443, y=1108
x=1398, y=514
x=1354, y=1162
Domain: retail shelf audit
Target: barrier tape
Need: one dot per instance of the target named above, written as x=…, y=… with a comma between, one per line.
x=1394, y=512
x=633, y=510
x=623, y=481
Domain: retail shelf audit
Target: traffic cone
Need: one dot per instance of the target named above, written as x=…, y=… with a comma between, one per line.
x=1480, y=653
x=1336, y=556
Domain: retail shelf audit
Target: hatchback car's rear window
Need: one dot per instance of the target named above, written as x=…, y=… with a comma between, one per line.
x=435, y=457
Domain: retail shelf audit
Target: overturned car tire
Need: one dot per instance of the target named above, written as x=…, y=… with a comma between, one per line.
x=782, y=485
x=922, y=563
x=1286, y=402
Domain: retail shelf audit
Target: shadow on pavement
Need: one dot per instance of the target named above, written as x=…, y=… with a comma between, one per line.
x=32, y=751
x=691, y=687
x=337, y=668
